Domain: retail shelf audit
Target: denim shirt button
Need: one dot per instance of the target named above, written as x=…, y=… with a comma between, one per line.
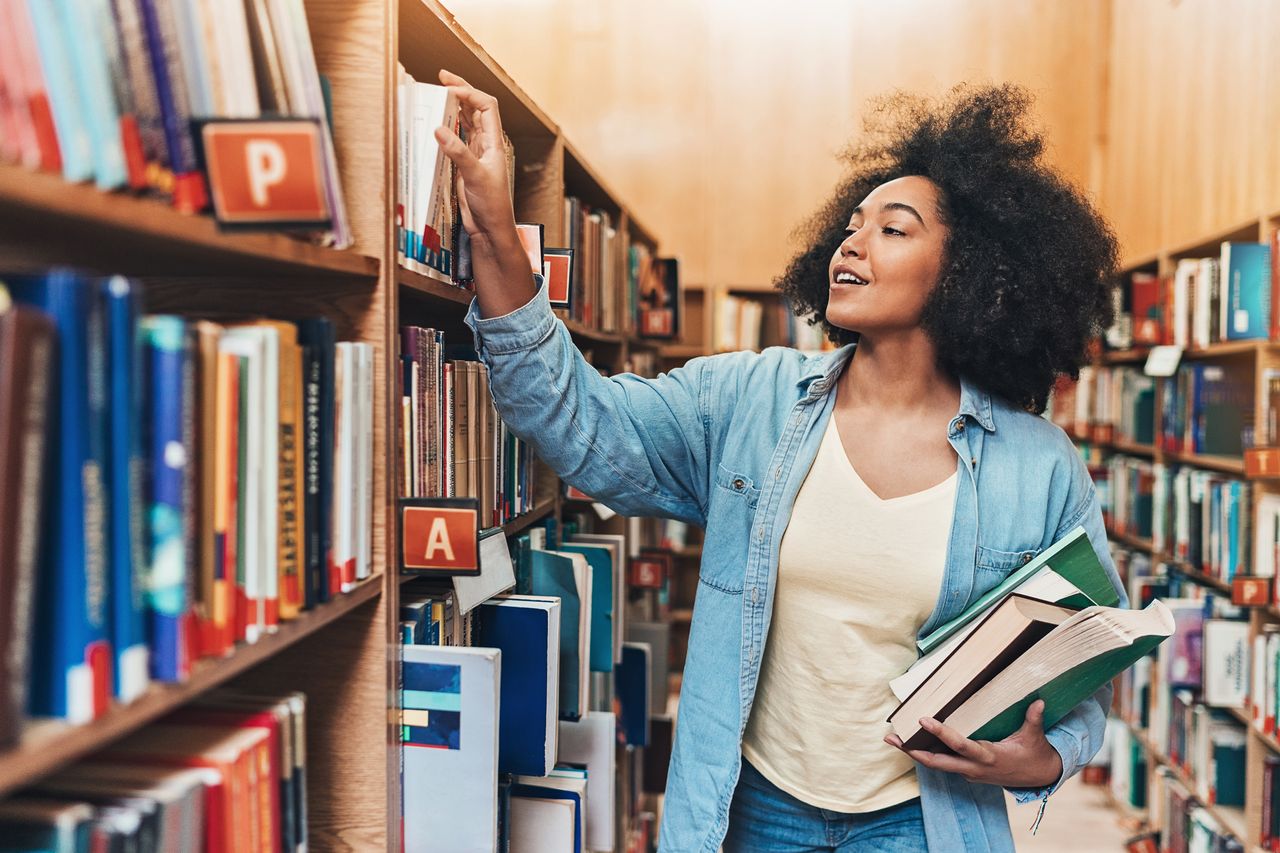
x=755, y=595
x=738, y=484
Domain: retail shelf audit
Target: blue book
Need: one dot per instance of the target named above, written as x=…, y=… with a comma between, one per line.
x=553, y=575
x=97, y=101
x=631, y=688
x=126, y=553
x=160, y=30
x=527, y=631
x=167, y=411
x=1246, y=291
x=71, y=675
x=75, y=143
x=601, y=562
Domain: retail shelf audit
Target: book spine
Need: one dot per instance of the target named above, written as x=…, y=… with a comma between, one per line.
x=292, y=549
x=142, y=88
x=27, y=361
x=75, y=145
x=189, y=192
x=165, y=339
x=125, y=464
x=96, y=99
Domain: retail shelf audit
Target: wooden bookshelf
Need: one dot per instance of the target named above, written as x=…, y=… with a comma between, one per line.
x=342, y=654
x=47, y=220
x=48, y=744
x=1246, y=356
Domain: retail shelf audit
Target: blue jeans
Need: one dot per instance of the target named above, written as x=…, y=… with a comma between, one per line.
x=765, y=819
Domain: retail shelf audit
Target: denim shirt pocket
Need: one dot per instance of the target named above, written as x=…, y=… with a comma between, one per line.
x=994, y=565
x=729, y=519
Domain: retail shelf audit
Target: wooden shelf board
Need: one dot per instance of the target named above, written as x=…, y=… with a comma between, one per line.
x=524, y=522
x=1188, y=571
x=1131, y=540
x=1245, y=230
x=434, y=285
x=594, y=336
x=432, y=39
x=117, y=232
x=640, y=234
x=1139, y=262
x=1225, y=349
x=50, y=744
x=1225, y=464
x=683, y=351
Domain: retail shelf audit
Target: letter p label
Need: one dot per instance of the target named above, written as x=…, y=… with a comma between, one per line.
x=265, y=164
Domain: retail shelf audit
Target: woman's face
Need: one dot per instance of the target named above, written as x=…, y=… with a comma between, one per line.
x=882, y=273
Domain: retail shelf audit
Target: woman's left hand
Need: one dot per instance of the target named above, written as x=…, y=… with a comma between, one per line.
x=1025, y=759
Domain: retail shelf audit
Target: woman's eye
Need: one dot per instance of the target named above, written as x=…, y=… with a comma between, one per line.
x=894, y=232
x=849, y=231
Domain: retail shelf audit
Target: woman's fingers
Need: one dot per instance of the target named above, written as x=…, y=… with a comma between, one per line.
x=479, y=110
x=457, y=151
x=959, y=744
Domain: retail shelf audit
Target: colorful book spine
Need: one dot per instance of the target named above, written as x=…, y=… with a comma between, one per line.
x=97, y=99
x=72, y=679
x=75, y=144
x=189, y=192
x=317, y=336
x=125, y=461
x=167, y=411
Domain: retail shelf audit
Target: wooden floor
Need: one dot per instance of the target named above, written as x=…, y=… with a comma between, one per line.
x=1077, y=818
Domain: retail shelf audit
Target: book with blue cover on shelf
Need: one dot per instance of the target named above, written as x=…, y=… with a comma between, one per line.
x=72, y=678
x=602, y=597
x=127, y=556
x=75, y=143
x=168, y=417
x=527, y=631
x=1246, y=291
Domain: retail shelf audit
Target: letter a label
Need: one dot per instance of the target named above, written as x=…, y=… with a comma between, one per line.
x=440, y=539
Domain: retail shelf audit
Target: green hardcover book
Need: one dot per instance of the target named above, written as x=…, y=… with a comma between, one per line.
x=1065, y=668
x=1072, y=558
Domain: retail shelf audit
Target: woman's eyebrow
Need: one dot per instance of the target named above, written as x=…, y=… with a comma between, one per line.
x=893, y=205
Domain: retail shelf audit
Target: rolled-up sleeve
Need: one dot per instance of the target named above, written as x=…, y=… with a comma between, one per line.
x=638, y=445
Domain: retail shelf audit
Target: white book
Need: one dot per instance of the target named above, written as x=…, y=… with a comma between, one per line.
x=237, y=92
x=569, y=780
x=449, y=749
x=364, y=460
x=542, y=825
x=269, y=483
x=402, y=156
x=1258, y=686
x=1225, y=655
x=591, y=741
x=582, y=580
x=247, y=343
x=1183, y=287
x=497, y=573
x=344, y=546
x=1270, y=660
x=430, y=105
x=657, y=635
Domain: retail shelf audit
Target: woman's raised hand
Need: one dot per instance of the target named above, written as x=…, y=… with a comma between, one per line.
x=500, y=265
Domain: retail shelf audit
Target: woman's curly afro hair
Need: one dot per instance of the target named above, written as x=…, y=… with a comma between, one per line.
x=1028, y=263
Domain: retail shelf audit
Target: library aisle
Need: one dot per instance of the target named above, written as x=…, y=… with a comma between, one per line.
x=1080, y=818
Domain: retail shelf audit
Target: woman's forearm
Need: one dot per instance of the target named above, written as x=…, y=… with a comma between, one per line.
x=503, y=277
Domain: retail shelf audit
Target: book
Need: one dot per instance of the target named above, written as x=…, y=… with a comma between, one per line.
x=999, y=638
x=73, y=680
x=631, y=680
x=568, y=577
x=1225, y=663
x=616, y=543
x=27, y=362
x=1067, y=665
x=657, y=636
x=126, y=463
x=602, y=599
x=449, y=751
x=1245, y=311
x=591, y=743
x=168, y=413
x=527, y=631
x=32, y=823
x=497, y=574
x=317, y=337
x=1067, y=572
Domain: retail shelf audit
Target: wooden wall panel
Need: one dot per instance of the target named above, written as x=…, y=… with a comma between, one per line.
x=718, y=121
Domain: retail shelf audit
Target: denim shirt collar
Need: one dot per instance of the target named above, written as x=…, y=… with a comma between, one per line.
x=821, y=372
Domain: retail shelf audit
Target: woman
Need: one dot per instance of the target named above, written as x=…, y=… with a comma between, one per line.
x=852, y=501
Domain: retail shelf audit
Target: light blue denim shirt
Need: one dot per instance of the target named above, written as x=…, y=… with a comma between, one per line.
x=725, y=443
